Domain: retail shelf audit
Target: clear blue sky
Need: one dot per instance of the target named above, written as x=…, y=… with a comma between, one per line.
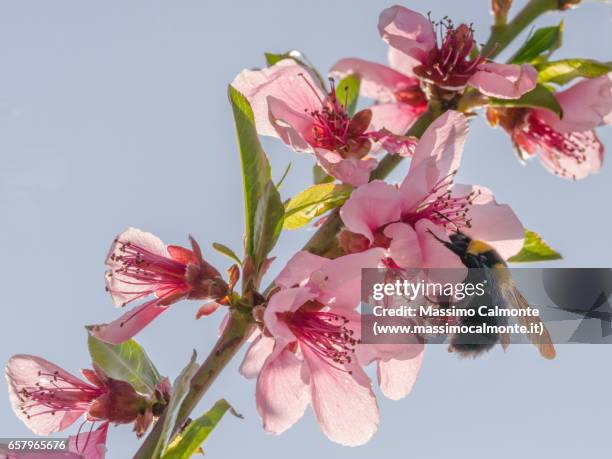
x=114, y=114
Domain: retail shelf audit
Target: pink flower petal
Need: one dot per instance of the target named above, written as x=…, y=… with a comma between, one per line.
x=287, y=300
x=256, y=356
x=129, y=324
x=298, y=269
x=404, y=249
x=395, y=117
x=397, y=377
x=352, y=171
x=287, y=81
x=23, y=372
x=586, y=105
x=207, y=309
x=408, y=350
x=281, y=394
x=436, y=159
x=402, y=62
x=294, y=127
x=567, y=167
x=378, y=81
x=370, y=207
x=491, y=222
x=504, y=81
x=89, y=445
x=407, y=31
x=344, y=403
x=435, y=254
x=182, y=255
x=142, y=239
x=393, y=144
x=121, y=291
x=339, y=280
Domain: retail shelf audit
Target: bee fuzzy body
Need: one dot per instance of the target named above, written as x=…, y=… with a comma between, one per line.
x=475, y=344
x=488, y=266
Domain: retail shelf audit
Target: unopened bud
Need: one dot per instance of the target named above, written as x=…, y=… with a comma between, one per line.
x=233, y=274
x=142, y=423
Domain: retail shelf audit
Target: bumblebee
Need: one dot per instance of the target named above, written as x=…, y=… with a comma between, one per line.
x=488, y=265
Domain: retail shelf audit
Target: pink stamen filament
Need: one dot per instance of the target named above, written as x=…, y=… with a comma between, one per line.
x=440, y=207
x=555, y=144
x=76, y=396
x=326, y=335
x=331, y=123
x=88, y=436
x=450, y=61
x=140, y=267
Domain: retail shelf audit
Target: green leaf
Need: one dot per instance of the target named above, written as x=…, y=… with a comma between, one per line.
x=168, y=418
x=268, y=224
x=347, y=93
x=544, y=40
x=320, y=176
x=197, y=431
x=565, y=70
x=273, y=58
x=535, y=249
x=225, y=250
x=539, y=97
x=255, y=166
x=297, y=56
x=314, y=201
x=125, y=362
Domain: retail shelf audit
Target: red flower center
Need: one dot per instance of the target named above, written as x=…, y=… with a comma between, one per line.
x=53, y=393
x=324, y=333
x=148, y=272
x=333, y=129
x=556, y=145
x=454, y=59
x=442, y=208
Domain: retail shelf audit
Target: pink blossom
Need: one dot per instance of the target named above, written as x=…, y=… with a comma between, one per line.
x=49, y=399
x=306, y=353
x=407, y=220
x=451, y=63
x=566, y=146
x=45, y=397
x=289, y=102
x=142, y=266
